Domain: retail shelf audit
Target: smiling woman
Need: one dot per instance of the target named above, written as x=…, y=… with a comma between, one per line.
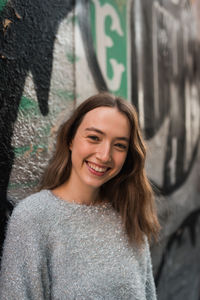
x=85, y=234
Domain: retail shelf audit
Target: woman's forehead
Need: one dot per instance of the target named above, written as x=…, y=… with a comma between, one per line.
x=106, y=119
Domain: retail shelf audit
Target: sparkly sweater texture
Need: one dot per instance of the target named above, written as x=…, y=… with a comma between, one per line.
x=59, y=250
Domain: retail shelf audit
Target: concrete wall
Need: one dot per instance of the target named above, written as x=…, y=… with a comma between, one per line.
x=54, y=54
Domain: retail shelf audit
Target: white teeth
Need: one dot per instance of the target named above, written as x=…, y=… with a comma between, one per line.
x=96, y=168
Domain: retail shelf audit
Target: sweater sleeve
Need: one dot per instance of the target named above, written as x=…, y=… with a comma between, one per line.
x=24, y=271
x=150, y=284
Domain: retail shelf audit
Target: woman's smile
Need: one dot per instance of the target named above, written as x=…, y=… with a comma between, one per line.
x=96, y=169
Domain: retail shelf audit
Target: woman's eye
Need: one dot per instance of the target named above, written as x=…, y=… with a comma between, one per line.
x=93, y=138
x=121, y=146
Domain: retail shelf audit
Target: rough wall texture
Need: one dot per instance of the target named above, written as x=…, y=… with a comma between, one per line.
x=54, y=54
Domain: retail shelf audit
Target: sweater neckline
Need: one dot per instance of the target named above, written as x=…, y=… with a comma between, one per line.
x=75, y=204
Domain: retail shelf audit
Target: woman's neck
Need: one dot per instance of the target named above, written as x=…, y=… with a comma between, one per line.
x=84, y=195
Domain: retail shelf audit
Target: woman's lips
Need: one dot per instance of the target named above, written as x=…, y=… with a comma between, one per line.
x=96, y=169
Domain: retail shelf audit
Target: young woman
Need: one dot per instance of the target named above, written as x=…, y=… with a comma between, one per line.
x=85, y=234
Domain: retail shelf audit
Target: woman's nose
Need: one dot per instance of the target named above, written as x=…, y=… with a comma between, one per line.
x=103, y=153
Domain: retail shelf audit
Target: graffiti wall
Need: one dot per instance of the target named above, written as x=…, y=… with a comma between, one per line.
x=54, y=54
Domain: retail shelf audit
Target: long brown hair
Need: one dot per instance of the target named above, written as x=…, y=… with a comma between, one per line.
x=129, y=192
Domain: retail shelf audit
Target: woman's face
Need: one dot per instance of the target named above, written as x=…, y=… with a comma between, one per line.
x=99, y=147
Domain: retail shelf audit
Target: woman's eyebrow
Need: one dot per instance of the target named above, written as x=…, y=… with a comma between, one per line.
x=123, y=138
x=94, y=129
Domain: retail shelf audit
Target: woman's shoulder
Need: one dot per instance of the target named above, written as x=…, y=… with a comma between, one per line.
x=36, y=200
x=34, y=207
x=143, y=249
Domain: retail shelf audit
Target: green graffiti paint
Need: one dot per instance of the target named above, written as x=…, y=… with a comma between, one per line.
x=71, y=57
x=72, y=19
x=2, y=4
x=29, y=150
x=28, y=106
x=65, y=95
x=19, y=151
x=38, y=148
x=109, y=31
x=45, y=130
x=30, y=184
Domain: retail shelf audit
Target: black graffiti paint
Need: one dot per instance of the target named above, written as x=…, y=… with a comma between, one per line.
x=188, y=228
x=82, y=8
x=27, y=35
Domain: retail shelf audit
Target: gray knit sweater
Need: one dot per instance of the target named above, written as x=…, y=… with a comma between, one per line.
x=59, y=250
